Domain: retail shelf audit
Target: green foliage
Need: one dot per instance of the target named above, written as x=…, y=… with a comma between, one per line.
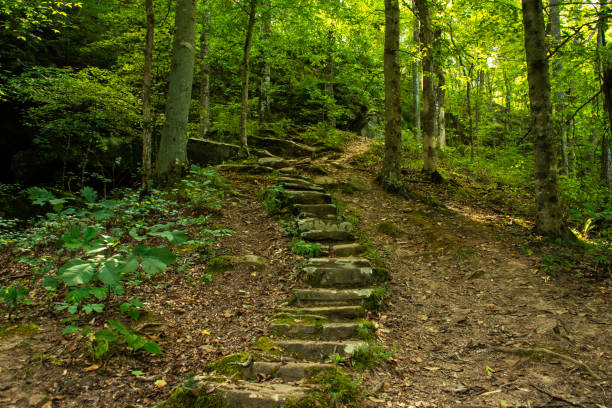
x=12, y=296
x=117, y=335
x=369, y=356
x=275, y=200
x=203, y=189
x=301, y=247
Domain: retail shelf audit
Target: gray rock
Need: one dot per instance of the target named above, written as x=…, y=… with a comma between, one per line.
x=327, y=182
x=205, y=152
x=353, y=184
x=348, y=249
x=330, y=312
x=308, y=197
x=331, y=297
x=287, y=372
x=319, y=350
x=317, y=224
x=315, y=210
x=282, y=147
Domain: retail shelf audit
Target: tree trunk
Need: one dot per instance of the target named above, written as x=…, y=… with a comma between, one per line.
x=548, y=209
x=606, y=88
x=264, y=98
x=555, y=31
x=146, y=96
x=244, y=109
x=205, y=86
x=416, y=82
x=508, y=98
x=468, y=94
x=329, y=83
x=430, y=165
x=391, y=171
x=173, y=146
x=479, y=83
x=440, y=94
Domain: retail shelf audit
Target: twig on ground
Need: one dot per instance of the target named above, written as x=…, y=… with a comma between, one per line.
x=521, y=350
x=555, y=396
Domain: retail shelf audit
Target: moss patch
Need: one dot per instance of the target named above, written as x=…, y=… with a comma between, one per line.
x=381, y=274
x=225, y=367
x=22, y=330
x=376, y=299
x=266, y=345
x=218, y=265
x=336, y=387
x=389, y=228
x=186, y=398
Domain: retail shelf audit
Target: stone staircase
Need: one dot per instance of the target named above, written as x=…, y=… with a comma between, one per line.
x=325, y=318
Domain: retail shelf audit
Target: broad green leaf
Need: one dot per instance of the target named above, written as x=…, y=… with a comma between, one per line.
x=103, y=215
x=99, y=293
x=50, y=283
x=125, y=306
x=76, y=272
x=129, y=265
x=89, y=194
x=106, y=335
x=152, y=266
x=70, y=329
x=164, y=255
x=152, y=347
x=110, y=273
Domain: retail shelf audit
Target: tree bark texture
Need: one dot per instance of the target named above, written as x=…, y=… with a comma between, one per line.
x=329, y=83
x=606, y=87
x=555, y=31
x=428, y=118
x=391, y=171
x=244, y=109
x=146, y=96
x=416, y=81
x=548, y=209
x=440, y=96
x=205, y=76
x=173, y=145
x=264, y=90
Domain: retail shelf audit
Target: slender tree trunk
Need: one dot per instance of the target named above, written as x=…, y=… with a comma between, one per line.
x=555, y=31
x=440, y=94
x=508, y=98
x=548, y=208
x=391, y=171
x=146, y=96
x=430, y=165
x=264, y=99
x=416, y=81
x=468, y=94
x=606, y=87
x=329, y=83
x=479, y=83
x=173, y=146
x=205, y=86
x=244, y=109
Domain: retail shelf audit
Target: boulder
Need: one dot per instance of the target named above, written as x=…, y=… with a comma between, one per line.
x=205, y=152
x=282, y=147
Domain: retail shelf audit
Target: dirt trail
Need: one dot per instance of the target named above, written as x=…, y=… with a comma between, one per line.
x=462, y=290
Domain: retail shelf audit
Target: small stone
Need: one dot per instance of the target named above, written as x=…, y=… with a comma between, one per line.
x=274, y=162
x=326, y=181
x=353, y=184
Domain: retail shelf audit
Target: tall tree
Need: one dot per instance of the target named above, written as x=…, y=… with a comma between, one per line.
x=248, y=40
x=430, y=165
x=416, y=79
x=548, y=209
x=391, y=171
x=146, y=96
x=205, y=74
x=440, y=92
x=173, y=145
x=264, y=97
x=555, y=31
x=606, y=87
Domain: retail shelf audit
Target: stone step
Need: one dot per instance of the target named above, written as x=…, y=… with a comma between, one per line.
x=245, y=394
x=323, y=235
x=316, y=210
x=287, y=372
x=343, y=250
x=337, y=276
x=307, y=197
x=338, y=272
x=331, y=297
x=325, y=224
x=319, y=350
x=322, y=331
x=328, y=312
x=294, y=183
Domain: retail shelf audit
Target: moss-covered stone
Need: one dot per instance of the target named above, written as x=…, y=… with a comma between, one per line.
x=22, y=330
x=267, y=346
x=218, y=265
x=335, y=387
x=187, y=398
x=225, y=366
x=381, y=274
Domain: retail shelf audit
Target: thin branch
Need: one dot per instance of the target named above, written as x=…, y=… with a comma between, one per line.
x=567, y=122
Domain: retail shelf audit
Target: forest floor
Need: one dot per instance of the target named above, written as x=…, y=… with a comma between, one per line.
x=472, y=317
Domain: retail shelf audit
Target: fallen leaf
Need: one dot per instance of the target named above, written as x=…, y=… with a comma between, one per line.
x=92, y=367
x=160, y=384
x=205, y=332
